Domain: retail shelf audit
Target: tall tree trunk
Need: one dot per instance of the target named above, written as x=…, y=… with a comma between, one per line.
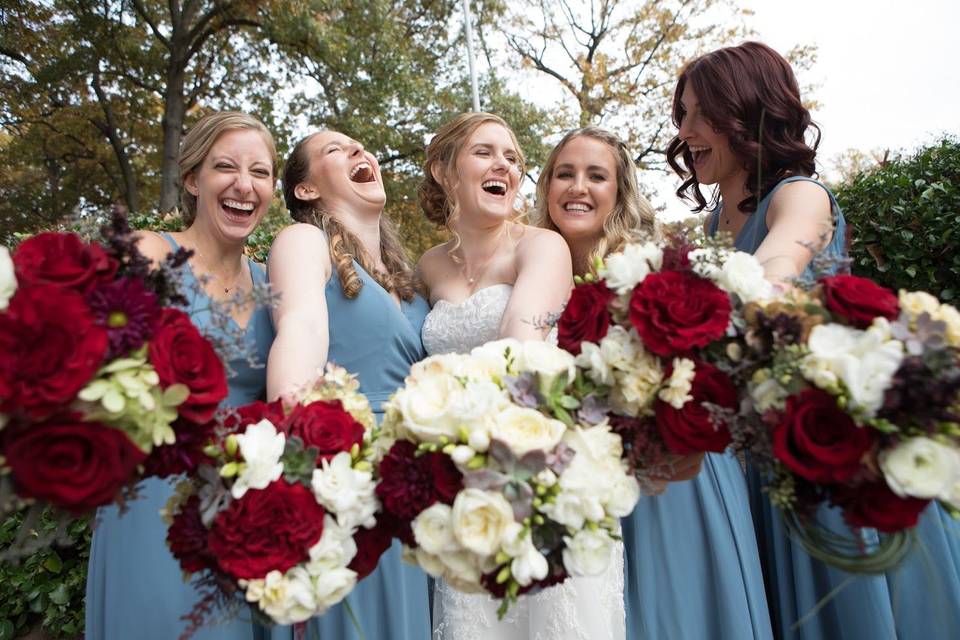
x=131, y=194
x=173, y=113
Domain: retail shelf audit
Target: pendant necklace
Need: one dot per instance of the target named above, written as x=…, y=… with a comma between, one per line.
x=221, y=281
x=478, y=273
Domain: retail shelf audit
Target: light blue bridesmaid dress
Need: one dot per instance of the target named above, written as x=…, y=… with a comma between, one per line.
x=918, y=600
x=135, y=588
x=377, y=340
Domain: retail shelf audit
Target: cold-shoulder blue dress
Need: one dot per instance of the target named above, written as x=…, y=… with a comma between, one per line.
x=135, y=588
x=918, y=600
x=378, y=340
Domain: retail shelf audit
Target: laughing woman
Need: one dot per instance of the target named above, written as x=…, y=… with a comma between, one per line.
x=742, y=127
x=228, y=171
x=348, y=297
x=692, y=548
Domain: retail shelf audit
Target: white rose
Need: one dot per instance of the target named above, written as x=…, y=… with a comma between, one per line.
x=587, y=553
x=864, y=361
x=547, y=360
x=528, y=564
x=677, y=391
x=261, y=447
x=478, y=403
x=524, y=429
x=428, y=562
x=461, y=567
x=951, y=317
x=918, y=302
x=920, y=468
x=8, y=278
x=347, y=492
x=285, y=598
x=428, y=403
x=624, y=495
x=743, y=275
x=491, y=358
x=479, y=520
x=335, y=549
x=433, y=529
x=334, y=585
x=623, y=271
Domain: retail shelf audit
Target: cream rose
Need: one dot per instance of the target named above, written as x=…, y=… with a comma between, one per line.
x=548, y=361
x=479, y=520
x=334, y=585
x=524, y=429
x=920, y=468
x=917, y=303
x=8, y=278
x=433, y=529
x=428, y=403
x=588, y=552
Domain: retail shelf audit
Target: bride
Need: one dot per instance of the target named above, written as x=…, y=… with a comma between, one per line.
x=498, y=278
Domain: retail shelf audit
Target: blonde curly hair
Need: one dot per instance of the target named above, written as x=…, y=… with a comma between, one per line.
x=345, y=247
x=632, y=214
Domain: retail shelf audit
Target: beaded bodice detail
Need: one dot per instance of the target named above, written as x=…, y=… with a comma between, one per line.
x=459, y=327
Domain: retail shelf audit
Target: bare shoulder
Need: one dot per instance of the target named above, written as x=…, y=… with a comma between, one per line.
x=537, y=241
x=299, y=243
x=432, y=260
x=152, y=245
x=802, y=197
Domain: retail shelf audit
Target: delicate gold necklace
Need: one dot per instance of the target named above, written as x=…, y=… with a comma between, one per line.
x=221, y=281
x=479, y=271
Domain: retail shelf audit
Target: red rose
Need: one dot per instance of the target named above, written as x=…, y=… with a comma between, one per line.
x=692, y=428
x=236, y=419
x=50, y=348
x=371, y=544
x=586, y=317
x=62, y=259
x=266, y=530
x=675, y=312
x=187, y=538
x=817, y=440
x=875, y=505
x=180, y=354
x=859, y=300
x=326, y=426
x=71, y=464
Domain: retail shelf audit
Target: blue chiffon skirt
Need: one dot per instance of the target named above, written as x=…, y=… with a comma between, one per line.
x=692, y=565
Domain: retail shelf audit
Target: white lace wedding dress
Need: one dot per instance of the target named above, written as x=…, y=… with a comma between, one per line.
x=583, y=608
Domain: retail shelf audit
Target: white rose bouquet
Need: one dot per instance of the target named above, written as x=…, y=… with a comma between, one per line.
x=853, y=400
x=285, y=513
x=502, y=474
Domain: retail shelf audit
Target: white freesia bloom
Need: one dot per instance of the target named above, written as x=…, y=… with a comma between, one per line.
x=8, y=278
x=287, y=598
x=743, y=275
x=864, y=361
x=623, y=271
x=676, y=393
x=346, y=491
x=433, y=529
x=524, y=429
x=334, y=585
x=261, y=447
x=624, y=494
x=920, y=468
x=479, y=520
x=335, y=549
x=528, y=564
x=588, y=552
x=479, y=401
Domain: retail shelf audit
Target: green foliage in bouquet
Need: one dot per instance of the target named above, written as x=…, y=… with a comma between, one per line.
x=46, y=588
x=905, y=221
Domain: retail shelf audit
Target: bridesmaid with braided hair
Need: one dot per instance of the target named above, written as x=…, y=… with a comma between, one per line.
x=347, y=296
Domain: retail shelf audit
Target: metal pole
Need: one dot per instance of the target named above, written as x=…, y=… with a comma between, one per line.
x=468, y=33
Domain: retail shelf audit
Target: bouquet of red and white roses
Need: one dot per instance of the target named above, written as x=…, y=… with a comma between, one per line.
x=101, y=383
x=286, y=515
x=854, y=400
x=502, y=474
x=653, y=330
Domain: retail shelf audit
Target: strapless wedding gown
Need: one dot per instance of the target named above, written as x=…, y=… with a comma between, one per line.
x=582, y=608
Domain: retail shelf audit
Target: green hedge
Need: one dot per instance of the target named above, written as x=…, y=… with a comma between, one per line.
x=905, y=220
x=46, y=588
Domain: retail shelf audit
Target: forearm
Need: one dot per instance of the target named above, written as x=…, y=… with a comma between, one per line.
x=297, y=356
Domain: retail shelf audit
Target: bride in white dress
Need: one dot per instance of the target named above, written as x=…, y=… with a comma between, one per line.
x=498, y=278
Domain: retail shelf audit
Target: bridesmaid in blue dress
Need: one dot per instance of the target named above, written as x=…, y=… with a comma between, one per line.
x=692, y=565
x=733, y=106
x=228, y=164
x=347, y=297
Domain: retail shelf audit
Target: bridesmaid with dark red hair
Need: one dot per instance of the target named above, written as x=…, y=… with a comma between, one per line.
x=743, y=129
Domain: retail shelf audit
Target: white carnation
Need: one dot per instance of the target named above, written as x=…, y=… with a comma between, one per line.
x=676, y=393
x=261, y=447
x=921, y=468
x=347, y=492
x=743, y=275
x=287, y=598
x=8, y=278
x=623, y=271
